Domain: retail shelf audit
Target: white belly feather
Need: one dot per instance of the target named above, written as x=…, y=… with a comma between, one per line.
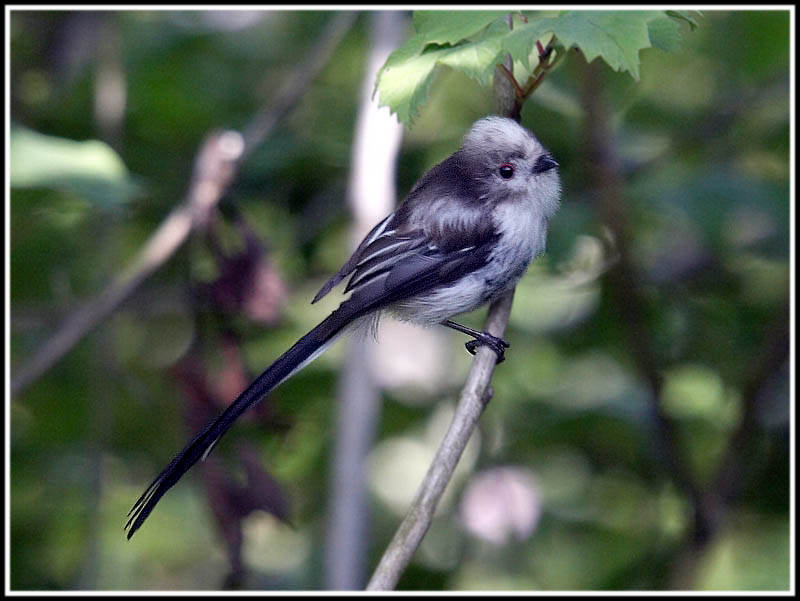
x=523, y=234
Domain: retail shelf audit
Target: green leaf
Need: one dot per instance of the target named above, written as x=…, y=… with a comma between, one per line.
x=475, y=41
x=664, y=34
x=683, y=15
x=616, y=36
x=90, y=169
x=664, y=31
x=478, y=58
x=404, y=80
x=450, y=27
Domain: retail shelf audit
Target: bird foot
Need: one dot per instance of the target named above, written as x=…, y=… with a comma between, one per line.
x=498, y=345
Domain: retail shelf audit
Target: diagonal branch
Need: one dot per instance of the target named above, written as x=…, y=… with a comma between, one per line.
x=212, y=171
x=216, y=165
x=474, y=397
x=472, y=401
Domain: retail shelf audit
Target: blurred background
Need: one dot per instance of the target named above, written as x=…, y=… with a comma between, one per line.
x=639, y=433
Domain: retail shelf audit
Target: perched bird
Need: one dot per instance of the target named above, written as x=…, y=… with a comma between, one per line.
x=464, y=235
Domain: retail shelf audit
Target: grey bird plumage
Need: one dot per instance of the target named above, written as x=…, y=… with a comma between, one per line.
x=464, y=235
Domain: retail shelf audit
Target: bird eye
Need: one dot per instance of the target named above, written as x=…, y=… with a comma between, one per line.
x=506, y=171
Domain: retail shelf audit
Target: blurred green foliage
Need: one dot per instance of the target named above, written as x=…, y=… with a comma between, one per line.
x=703, y=144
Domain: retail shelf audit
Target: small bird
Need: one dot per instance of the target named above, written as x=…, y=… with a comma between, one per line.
x=464, y=235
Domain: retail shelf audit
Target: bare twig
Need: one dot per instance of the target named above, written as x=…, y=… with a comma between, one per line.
x=212, y=171
x=474, y=396
x=506, y=91
x=292, y=90
x=546, y=63
x=215, y=165
x=518, y=91
x=538, y=74
x=473, y=399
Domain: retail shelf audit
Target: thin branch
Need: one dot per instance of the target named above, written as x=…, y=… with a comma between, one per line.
x=474, y=397
x=509, y=99
x=546, y=64
x=506, y=91
x=215, y=166
x=295, y=86
x=518, y=92
x=472, y=401
x=212, y=171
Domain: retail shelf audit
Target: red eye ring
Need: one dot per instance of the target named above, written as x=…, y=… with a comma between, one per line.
x=506, y=170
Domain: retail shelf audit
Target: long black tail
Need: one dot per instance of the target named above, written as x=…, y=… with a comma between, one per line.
x=302, y=353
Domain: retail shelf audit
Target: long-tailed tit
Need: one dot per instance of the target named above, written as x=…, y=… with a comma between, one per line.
x=464, y=235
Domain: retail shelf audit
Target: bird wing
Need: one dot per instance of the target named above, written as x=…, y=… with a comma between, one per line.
x=396, y=266
x=351, y=263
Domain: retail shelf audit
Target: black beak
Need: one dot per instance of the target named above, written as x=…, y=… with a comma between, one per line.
x=545, y=163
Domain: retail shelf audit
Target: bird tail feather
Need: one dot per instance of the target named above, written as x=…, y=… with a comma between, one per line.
x=298, y=356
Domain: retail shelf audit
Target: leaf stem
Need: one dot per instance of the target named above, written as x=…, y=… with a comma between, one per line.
x=518, y=92
x=546, y=63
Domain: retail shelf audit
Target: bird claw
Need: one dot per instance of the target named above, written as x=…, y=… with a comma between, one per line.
x=498, y=345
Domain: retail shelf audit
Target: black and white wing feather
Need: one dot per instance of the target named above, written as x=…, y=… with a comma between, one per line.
x=395, y=266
